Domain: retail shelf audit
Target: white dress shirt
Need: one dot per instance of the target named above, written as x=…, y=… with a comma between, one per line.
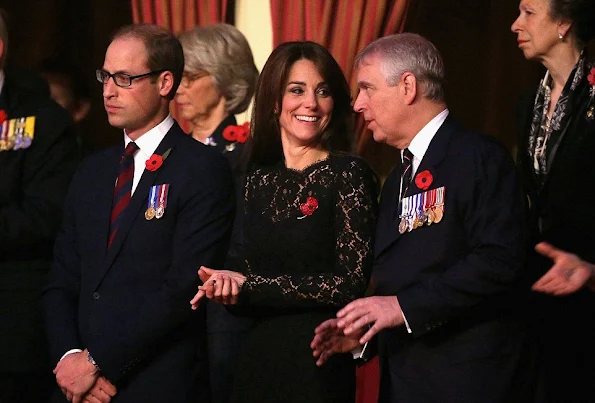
x=147, y=144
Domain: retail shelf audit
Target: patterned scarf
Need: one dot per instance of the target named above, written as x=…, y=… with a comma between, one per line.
x=545, y=133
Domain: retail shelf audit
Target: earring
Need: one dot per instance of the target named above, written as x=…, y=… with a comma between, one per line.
x=560, y=36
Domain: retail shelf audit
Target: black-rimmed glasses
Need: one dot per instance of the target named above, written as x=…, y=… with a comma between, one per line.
x=122, y=79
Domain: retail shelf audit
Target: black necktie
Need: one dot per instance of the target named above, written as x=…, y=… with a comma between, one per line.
x=406, y=171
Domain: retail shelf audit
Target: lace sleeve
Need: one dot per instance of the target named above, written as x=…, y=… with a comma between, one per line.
x=355, y=220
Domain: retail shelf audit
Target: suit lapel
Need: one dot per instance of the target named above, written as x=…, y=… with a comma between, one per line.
x=139, y=198
x=387, y=230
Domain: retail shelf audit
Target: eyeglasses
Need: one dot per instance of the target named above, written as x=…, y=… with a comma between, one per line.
x=189, y=78
x=122, y=79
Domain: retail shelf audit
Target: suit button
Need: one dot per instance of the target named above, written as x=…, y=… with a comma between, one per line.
x=96, y=295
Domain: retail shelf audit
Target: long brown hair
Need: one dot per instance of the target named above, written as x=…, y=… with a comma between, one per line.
x=266, y=148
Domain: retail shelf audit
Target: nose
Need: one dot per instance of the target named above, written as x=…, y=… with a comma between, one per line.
x=109, y=88
x=311, y=101
x=515, y=25
x=358, y=105
x=180, y=89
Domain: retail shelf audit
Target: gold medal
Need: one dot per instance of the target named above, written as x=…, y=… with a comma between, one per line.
x=418, y=222
x=160, y=211
x=430, y=216
x=150, y=213
x=438, y=213
x=403, y=225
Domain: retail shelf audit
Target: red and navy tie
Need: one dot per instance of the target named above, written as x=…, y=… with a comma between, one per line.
x=123, y=189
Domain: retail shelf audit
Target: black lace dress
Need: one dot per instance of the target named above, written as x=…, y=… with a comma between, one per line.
x=307, y=252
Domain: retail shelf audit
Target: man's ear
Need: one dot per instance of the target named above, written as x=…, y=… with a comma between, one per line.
x=409, y=83
x=166, y=83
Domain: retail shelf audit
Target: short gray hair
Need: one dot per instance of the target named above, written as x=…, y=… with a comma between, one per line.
x=223, y=52
x=407, y=52
x=3, y=37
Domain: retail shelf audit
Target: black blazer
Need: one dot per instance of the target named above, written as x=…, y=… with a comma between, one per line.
x=455, y=279
x=561, y=213
x=33, y=183
x=130, y=306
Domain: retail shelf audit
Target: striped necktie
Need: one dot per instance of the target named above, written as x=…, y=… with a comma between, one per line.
x=407, y=169
x=123, y=189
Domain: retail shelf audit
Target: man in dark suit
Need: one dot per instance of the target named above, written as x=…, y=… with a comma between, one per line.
x=38, y=156
x=449, y=243
x=140, y=218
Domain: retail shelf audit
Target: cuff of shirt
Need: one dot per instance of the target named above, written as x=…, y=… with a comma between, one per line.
x=406, y=323
x=74, y=350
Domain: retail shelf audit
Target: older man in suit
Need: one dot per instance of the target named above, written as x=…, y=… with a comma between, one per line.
x=140, y=218
x=449, y=243
x=38, y=156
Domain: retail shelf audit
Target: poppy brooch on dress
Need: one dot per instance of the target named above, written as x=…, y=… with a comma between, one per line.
x=236, y=134
x=591, y=79
x=155, y=161
x=309, y=207
x=423, y=180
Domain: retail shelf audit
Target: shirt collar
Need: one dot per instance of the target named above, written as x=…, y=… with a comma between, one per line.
x=148, y=142
x=420, y=143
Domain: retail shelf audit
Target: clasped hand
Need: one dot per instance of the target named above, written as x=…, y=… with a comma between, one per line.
x=80, y=381
x=355, y=325
x=221, y=286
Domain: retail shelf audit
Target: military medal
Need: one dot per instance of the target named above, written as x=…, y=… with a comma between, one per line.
x=439, y=206
x=162, y=192
x=150, y=213
x=404, y=224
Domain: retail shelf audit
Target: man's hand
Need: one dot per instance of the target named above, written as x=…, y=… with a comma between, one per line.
x=101, y=392
x=75, y=375
x=568, y=274
x=329, y=339
x=221, y=286
x=379, y=312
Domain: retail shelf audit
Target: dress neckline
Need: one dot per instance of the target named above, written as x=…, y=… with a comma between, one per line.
x=308, y=167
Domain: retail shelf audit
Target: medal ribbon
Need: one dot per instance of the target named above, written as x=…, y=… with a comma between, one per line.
x=152, y=196
x=163, y=190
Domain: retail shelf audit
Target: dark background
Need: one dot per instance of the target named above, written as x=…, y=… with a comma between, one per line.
x=485, y=71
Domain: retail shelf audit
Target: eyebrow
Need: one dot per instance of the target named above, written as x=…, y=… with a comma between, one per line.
x=364, y=84
x=322, y=83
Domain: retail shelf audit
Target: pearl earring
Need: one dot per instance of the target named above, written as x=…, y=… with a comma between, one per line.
x=560, y=36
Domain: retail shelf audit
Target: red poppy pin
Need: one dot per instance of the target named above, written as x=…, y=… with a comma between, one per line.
x=3, y=116
x=424, y=179
x=238, y=134
x=308, y=207
x=155, y=161
x=591, y=79
x=591, y=76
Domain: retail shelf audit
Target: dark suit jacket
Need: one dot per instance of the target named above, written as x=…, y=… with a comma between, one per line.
x=33, y=183
x=455, y=279
x=130, y=306
x=561, y=213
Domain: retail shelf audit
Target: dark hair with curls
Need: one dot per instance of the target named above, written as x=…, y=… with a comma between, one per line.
x=266, y=148
x=164, y=50
x=580, y=12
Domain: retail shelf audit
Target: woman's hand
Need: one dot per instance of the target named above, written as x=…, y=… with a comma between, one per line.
x=568, y=274
x=221, y=286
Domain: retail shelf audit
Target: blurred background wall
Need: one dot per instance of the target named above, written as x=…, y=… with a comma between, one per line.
x=486, y=72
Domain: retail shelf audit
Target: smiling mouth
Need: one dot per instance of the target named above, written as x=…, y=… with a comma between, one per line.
x=307, y=118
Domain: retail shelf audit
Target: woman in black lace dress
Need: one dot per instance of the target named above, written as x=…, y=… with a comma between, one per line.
x=310, y=212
